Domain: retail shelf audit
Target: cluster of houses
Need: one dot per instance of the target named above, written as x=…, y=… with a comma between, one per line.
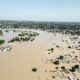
x=67, y=59
x=63, y=75
x=65, y=72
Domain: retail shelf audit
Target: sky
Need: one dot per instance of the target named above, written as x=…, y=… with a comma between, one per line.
x=40, y=10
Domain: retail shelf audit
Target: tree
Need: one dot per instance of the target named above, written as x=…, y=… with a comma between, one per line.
x=56, y=62
x=69, y=47
x=34, y=69
x=2, y=41
x=76, y=66
x=61, y=57
x=73, y=69
x=63, y=67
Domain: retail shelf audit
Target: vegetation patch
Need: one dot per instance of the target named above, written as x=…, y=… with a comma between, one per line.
x=34, y=69
x=56, y=62
x=2, y=41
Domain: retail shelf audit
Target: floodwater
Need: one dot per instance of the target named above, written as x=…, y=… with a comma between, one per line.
x=18, y=63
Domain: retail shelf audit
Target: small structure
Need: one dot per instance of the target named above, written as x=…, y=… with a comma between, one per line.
x=6, y=49
x=70, y=78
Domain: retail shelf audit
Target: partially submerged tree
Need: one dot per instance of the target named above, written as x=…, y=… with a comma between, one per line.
x=61, y=57
x=63, y=67
x=34, y=69
x=2, y=41
x=56, y=62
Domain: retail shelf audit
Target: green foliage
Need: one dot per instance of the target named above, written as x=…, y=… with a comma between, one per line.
x=76, y=66
x=56, y=62
x=2, y=41
x=63, y=67
x=61, y=57
x=34, y=69
x=73, y=69
x=15, y=39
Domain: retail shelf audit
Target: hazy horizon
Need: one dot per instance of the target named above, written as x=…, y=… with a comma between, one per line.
x=40, y=10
